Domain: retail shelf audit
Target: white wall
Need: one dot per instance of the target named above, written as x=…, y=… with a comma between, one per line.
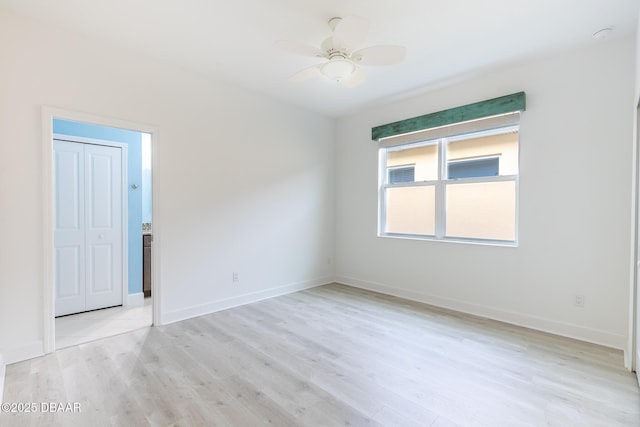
x=246, y=183
x=637, y=69
x=2, y=374
x=574, y=232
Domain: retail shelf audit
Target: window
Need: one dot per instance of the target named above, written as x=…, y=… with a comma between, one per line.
x=454, y=187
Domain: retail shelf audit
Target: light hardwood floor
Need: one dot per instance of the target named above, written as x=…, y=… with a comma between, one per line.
x=330, y=356
x=92, y=325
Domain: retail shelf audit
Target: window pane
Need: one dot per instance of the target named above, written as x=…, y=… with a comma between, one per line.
x=411, y=210
x=401, y=174
x=504, y=147
x=424, y=159
x=474, y=168
x=485, y=210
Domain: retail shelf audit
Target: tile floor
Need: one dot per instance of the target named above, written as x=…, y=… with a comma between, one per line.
x=92, y=325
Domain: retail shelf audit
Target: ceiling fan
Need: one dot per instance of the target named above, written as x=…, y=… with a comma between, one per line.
x=342, y=61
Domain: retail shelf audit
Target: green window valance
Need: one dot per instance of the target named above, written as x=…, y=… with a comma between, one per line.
x=477, y=110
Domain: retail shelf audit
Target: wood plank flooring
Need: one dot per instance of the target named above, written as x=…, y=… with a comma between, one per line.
x=329, y=356
x=92, y=325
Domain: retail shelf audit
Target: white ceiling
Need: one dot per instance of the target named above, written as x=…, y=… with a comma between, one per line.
x=444, y=38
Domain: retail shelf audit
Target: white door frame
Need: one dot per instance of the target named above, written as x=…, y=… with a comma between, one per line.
x=124, y=202
x=48, y=114
x=633, y=361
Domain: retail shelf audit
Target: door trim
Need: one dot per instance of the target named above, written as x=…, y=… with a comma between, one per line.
x=124, y=212
x=634, y=316
x=48, y=279
x=632, y=351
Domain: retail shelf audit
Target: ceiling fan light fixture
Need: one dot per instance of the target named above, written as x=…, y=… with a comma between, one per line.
x=341, y=53
x=338, y=69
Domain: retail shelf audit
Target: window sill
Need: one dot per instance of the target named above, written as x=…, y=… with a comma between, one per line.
x=480, y=242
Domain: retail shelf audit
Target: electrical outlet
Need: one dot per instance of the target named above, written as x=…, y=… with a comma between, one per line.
x=578, y=301
x=329, y=260
x=235, y=276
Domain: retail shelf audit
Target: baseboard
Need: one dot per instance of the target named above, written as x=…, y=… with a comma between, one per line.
x=135, y=299
x=3, y=371
x=568, y=330
x=24, y=352
x=213, y=306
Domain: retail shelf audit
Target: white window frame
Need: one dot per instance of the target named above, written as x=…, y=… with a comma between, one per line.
x=440, y=184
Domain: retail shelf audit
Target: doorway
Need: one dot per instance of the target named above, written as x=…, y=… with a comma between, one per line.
x=132, y=310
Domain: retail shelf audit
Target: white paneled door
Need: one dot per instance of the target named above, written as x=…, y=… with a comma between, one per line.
x=88, y=226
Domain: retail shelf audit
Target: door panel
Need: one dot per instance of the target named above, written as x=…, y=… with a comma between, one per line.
x=70, y=187
x=104, y=226
x=88, y=227
x=100, y=264
x=68, y=266
x=69, y=227
x=101, y=175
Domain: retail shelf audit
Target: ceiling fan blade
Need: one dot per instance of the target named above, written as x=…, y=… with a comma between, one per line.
x=350, y=32
x=380, y=55
x=299, y=49
x=306, y=74
x=355, y=79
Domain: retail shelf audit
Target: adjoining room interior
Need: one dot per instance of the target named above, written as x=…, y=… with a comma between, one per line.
x=361, y=213
x=74, y=179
